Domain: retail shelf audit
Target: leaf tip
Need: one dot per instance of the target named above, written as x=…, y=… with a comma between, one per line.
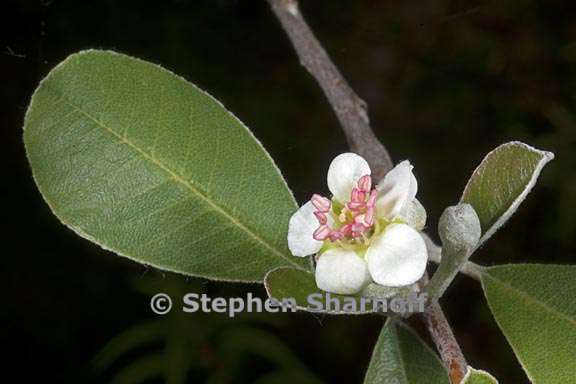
x=546, y=155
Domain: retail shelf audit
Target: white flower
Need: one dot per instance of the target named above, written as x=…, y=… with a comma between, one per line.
x=362, y=234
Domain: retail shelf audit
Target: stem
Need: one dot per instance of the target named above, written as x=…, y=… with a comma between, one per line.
x=446, y=343
x=444, y=339
x=350, y=109
x=469, y=268
x=352, y=114
x=447, y=271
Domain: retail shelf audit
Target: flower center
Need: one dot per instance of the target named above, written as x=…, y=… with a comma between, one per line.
x=354, y=220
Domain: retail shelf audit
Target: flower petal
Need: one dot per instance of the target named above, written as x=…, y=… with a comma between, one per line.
x=344, y=172
x=301, y=229
x=341, y=271
x=397, y=257
x=414, y=215
x=396, y=191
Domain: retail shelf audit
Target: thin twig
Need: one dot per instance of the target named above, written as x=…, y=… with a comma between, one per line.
x=445, y=341
x=353, y=116
x=350, y=109
x=444, y=338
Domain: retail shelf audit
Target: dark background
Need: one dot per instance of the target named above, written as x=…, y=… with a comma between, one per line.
x=446, y=81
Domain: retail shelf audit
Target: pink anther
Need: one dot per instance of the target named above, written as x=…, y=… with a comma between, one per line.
x=322, y=233
x=365, y=183
x=357, y=217
x=320, y=203
x=321, y=216
x=336, y=235
x=358, y=196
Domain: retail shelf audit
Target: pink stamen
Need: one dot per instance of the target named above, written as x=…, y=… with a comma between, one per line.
x=321, y=203
x=356, y=234
x=357, y=216
x=354, y=206
x=346, y=229
x=372, y=199
x=358, y=196
x=365, y=183
x=322, y=233
x=336, y=235
x=369, y=217
x=321, y=216
x=359, y=219
x=358, y=228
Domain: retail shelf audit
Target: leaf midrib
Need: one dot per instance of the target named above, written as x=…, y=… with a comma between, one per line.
x=396, y=341
x=510, y=288
x=185, y=183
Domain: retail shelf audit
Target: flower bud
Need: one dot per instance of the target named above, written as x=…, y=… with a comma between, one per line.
x=459, y=227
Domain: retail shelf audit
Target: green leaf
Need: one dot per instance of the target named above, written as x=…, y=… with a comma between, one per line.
x=535, y=308
x=300, y=286
x=290, y=283
x=287, y=377
x=141, y=370
x=137, y=336
x=145, y=164
x=476, y=376
x=401, y=357
x=502, y=181
x=250, y=341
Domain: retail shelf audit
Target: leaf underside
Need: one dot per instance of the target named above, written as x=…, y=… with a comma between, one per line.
x=476, y=376
x=290, y=283
x=401, y=357
x=502, y=181
x=145, y=164
x=535, y=308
